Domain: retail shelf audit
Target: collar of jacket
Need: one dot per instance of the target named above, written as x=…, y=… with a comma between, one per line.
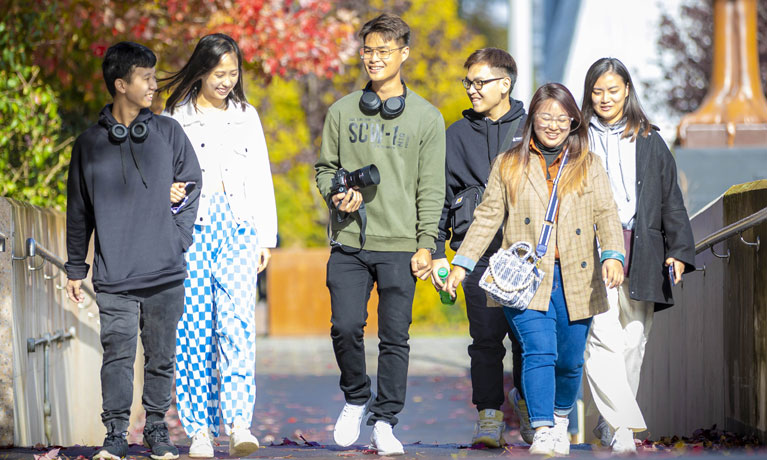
x=189, y=115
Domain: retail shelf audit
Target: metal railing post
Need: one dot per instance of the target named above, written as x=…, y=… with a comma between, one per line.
x=45, y=341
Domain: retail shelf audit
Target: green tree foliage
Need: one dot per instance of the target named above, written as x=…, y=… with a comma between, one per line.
x=33, y=157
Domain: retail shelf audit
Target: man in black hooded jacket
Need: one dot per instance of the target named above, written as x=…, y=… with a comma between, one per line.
x=493, y=125
x=117, y=190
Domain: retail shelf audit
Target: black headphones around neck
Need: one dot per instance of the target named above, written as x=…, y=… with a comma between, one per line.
x=371, y=104
x=138, y=132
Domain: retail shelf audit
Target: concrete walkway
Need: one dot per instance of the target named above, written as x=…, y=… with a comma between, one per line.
x=298, y=401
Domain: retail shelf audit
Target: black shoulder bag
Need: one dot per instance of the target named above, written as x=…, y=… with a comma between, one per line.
x=466, y=201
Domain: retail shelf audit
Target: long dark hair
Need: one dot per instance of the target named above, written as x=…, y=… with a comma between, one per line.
x=514, y=162
x=206, y=56
x=636, y=120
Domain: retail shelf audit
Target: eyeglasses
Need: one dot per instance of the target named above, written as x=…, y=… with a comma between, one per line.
x=383, y=53
x=478, y=84
x=545, y=119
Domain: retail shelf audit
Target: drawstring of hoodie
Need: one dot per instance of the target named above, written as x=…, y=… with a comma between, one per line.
x=488, y=123
x=487, y=141
x=604, y=139
x=122, y=163
x=136, y=162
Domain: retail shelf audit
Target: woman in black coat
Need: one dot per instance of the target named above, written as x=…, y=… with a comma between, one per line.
x=659, y=245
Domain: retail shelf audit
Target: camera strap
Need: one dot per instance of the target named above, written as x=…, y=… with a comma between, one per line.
x=342, y=216
x=363, y=223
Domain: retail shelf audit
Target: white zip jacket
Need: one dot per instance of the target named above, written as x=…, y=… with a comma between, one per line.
x=231, y=149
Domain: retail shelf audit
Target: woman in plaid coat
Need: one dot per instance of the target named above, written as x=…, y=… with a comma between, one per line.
x=553, y=328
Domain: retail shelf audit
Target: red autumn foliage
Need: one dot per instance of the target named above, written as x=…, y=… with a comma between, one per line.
x=277, y=37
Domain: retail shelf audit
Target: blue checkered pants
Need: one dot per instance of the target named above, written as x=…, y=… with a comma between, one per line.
x=216, y=337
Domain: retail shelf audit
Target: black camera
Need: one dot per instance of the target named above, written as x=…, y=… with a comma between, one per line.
x=344, y=180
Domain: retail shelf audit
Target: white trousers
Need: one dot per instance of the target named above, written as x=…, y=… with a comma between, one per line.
x=613, y=358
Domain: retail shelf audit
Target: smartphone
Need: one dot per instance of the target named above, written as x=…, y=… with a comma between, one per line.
x=188, y=188
x=671, y=274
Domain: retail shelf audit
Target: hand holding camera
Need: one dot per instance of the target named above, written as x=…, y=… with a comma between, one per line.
x=348, y=201
x=345, y=187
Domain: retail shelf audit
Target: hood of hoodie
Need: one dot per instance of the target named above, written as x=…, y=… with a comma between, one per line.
x=107, y=120
x=474, y=141
x=480, y=122
x=600, y=133
x=491, y=130
x=602, y=129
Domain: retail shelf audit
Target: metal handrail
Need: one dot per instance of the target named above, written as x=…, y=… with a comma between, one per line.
x=34, y=248
x=733, y=229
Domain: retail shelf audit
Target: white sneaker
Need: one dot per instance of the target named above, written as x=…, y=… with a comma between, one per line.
x=242, y=442
x=561, y=436
x=202, y=446
x=489, y=429
x=623, y=442
x=520, y=408
x=543, y=442
x=383, y=440
x=347, y=428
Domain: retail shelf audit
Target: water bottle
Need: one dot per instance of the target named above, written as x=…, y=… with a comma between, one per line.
x=444, y=296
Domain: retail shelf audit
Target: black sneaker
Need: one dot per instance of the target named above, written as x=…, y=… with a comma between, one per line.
x=115, y=447
x=156, y=438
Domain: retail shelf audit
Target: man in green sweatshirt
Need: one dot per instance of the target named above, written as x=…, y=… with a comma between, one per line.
x=383, y=233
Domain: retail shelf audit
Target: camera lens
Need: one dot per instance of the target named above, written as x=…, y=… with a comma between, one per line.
x=363, y=177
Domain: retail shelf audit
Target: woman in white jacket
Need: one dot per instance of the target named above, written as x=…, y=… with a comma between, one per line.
x=235, y=225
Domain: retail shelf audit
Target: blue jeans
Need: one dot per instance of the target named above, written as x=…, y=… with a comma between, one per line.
x=552, y=355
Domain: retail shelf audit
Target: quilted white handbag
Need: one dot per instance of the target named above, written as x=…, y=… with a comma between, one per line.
x=512, y=277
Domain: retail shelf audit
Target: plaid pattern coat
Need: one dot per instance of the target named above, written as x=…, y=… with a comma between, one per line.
x=573, y=233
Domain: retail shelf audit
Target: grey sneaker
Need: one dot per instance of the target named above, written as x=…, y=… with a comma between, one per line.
x=115, y=447
x=157, y=439
x=489, y=429
x=520, y=408
x=603, y=432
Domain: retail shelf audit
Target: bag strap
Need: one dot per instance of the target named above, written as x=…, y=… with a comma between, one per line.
x=510, y=135
x=551, y=212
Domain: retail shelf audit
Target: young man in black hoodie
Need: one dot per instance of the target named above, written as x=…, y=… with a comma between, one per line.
x=493, y=125
x=119, y=176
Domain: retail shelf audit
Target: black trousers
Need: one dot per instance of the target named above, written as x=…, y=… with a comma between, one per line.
x=156, y=311
x=488, y=328
x=350, y=278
